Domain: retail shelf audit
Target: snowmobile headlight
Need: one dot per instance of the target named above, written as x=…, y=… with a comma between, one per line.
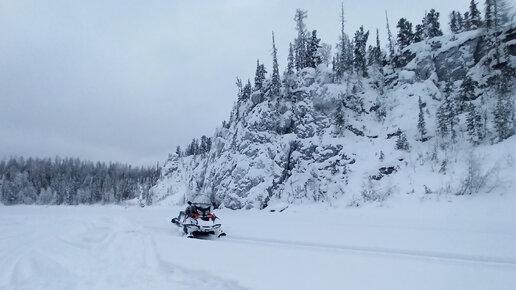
x=216, y=226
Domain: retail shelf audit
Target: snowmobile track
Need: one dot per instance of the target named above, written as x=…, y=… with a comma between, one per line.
x=429, y=255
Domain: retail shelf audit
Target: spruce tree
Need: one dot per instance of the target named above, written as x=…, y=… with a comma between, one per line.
x=489, y=14
x=378, y=50
x=421, y=126
x=446, y=114
x=432, y=20
x=475, y=19
x=504, y=110
x=300, y=43
x=474, y=125
x=208, y=144
x=405, y=34
x=340, y=61
x=288, y=75
x=496, y=14
x=460, y=22
x=370, y=55
x=402, y=142
x=454, y=25
x=349, y=57
x=442, y=121
x=290, y=60
x=259, y=77
x=340, y=120
x=313, y=57
x=389, y=38
x=247, y=91
x=194, y=147
x=425, y=25
x=502, y=117
x=467, y=26
x=203, y=147
x=239, y=87
x=419, y=33
x=275, y=82
x=360, y=51
x=467, y=92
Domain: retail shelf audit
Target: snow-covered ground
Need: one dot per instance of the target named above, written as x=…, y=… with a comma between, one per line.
x=469, y=243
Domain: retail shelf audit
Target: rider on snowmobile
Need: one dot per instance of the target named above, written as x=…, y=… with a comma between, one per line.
x=189, y=212
x=190, y=209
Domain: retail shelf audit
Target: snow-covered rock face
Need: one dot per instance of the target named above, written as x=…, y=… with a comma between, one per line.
x=327, y=141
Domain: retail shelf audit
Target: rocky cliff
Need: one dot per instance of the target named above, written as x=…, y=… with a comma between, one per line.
x=356, y=139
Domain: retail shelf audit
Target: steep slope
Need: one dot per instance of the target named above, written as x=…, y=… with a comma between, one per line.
x=356, y=139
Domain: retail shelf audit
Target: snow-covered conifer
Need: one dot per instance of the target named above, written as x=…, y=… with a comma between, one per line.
x=405, y=34
x=247, y=91
x=504, y=110
x=402, y=142
x=419, y=33
x=421, y=125
x=259, y=77
x=313, y=57
x=288, y=75
x=432, y=20
x=460, y=22
x=475, y=20
x=290, y=61
x=324, y=54
x=377, y=50
x=300, y=43
x=339, y=120
x=275, y=82
x=360, y=51
x=466, y=26
x=446, y=114
x=349, y=57
x=489, y=14
x=389, y=38
x=496, y=14
x=208, y=144
x=203, y=146
x=502, y=117
x=341, y=62
x=474, y=125
x=454, y=23
x=466, y=92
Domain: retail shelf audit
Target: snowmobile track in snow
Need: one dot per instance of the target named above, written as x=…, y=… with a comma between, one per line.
x=429, y=255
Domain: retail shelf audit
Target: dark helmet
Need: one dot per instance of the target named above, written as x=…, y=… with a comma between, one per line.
x=189, y=202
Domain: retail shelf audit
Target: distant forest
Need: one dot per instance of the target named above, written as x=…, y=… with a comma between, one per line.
x=72, y=181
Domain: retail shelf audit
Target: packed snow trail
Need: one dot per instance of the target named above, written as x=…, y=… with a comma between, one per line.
x=438, y=246
x=496, y=261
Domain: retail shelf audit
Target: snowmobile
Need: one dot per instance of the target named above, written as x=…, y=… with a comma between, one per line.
x=201, y=222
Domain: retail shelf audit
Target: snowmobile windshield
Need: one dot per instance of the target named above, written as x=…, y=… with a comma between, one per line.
x=202, y=199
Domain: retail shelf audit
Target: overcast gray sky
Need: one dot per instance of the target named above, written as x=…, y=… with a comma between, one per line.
x=128, y=81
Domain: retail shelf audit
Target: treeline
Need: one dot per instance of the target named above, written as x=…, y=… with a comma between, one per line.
x=72, y=181
x=196, y=147
x=353, y=57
